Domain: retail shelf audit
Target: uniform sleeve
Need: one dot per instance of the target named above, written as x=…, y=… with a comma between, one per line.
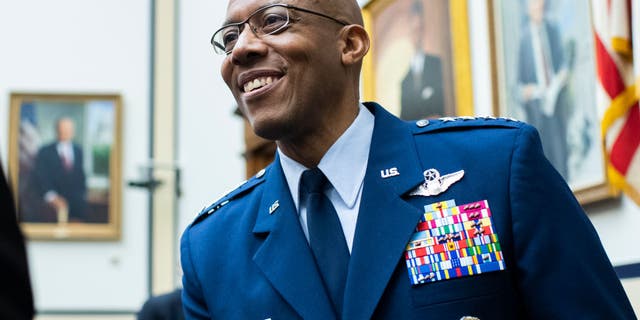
x=562, y=269
x=193, y=301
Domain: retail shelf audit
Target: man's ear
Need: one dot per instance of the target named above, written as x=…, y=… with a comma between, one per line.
x=354, y=44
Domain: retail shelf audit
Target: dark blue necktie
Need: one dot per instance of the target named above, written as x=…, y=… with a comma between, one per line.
x=325, y=236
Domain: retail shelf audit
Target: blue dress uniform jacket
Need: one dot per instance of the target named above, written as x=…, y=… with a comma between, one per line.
x=246, y=258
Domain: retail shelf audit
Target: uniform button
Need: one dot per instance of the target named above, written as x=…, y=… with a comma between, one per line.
x=260, y=173
x=422, y=123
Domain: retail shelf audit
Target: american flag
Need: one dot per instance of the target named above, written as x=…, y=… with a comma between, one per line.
x=618, y=93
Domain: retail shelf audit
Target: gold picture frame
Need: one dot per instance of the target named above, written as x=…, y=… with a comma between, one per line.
x=64, y=164
x=403, y=30
x=565, y=113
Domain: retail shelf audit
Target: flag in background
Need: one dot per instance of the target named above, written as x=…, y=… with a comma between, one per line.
x=617, y=95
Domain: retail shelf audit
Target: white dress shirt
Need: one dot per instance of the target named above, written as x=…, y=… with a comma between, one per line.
x=344, y=165
x=65, y=151
x=417, y=64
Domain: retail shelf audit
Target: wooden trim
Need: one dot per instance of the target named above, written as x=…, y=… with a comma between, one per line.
x=164, y=225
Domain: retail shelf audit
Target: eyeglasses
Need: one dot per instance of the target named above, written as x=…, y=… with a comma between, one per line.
x=270, y=19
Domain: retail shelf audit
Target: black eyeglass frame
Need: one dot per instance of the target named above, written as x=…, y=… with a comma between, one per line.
x=219, y=47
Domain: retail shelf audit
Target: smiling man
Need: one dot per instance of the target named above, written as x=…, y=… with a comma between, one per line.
x=362, y=215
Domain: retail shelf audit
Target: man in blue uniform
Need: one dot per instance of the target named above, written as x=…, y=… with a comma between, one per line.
x=362, y=215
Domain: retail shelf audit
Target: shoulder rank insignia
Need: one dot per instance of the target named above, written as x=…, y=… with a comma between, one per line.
x=231, y=195
x=453, y=241
x=451, y=123
x=434, y=184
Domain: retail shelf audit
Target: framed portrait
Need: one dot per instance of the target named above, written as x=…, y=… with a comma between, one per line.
x=419, y=65
x=64, y=163
x=545, y=74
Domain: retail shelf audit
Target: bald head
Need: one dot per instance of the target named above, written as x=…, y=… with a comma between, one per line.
x=346, y=10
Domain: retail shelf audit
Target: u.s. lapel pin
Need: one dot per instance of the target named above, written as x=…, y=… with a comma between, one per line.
x=434, y=184
x=274, y=207
x=388, y=173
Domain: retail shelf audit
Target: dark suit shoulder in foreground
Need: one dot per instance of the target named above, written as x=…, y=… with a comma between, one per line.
x=163, y=307
x=16, y=301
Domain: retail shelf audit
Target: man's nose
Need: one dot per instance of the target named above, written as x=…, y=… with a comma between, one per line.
x=248, y=46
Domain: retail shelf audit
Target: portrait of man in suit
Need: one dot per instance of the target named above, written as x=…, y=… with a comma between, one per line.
x=422, y=93
x=64, y=160
x=548, y=79
x=59, y=176
x=412, y=62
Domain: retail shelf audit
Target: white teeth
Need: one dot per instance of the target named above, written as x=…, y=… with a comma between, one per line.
x=257, y=83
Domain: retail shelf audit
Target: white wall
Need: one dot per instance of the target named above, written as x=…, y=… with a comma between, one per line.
x=210, y=137
x=82, y=46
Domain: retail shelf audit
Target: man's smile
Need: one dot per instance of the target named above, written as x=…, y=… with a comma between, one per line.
x=257, y=84
x=258, y=81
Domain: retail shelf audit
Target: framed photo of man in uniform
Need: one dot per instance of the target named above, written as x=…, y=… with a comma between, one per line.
x=64, y=162
x=545, y=72
x=419, y=64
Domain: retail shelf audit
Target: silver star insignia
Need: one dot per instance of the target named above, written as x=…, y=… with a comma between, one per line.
x=434, y=184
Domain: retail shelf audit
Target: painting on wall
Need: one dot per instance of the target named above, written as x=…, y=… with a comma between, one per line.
x=64, y=153
x=419, y=63
x=546, y=75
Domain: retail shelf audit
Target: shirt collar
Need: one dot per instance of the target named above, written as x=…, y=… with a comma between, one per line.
x=344, y=164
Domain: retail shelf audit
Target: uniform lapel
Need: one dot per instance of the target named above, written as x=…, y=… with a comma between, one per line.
x=385, y=220
x=284, y=257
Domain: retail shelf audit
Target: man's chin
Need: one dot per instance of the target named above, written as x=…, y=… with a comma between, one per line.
x=266, y=130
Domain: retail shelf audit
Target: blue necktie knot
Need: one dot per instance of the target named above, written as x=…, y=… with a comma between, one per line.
x=313, y=181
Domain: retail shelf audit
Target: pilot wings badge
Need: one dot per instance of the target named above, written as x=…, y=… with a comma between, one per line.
x=434, y=184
